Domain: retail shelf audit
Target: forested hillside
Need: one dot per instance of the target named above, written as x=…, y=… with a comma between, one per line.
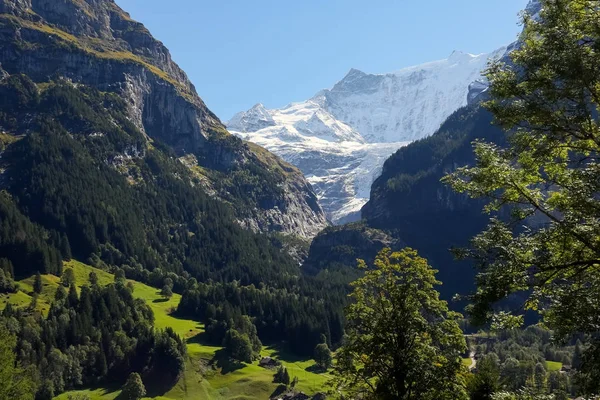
x=97, y=44
x=142, y=180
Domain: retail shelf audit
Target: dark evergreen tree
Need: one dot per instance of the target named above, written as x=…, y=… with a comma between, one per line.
x=37, y=283
x=282, y=376
x=68, y=277
x=93, y=278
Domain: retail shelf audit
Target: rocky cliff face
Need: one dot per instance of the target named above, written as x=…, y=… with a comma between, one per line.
x=95, y=43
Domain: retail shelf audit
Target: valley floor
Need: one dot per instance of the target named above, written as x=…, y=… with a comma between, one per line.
x=202, y=379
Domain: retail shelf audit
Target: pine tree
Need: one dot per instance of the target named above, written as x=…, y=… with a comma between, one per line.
x=7, y=285
x=33, y=303
x=60, y=293
x=37, y=283
x=101, y=367
x=93, y=278
x=72, y=297
x=282, y=376
x=577, y=355
x=68, y=277
x=65, y=248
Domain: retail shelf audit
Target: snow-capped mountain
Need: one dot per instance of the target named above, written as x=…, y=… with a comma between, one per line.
x=341, y=137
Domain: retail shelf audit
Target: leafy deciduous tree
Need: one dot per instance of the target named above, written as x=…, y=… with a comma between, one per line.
x=323, y=356
x=402, y=341
x=486, y=380
x=548, y=98
x=134, y=388
x=238, y=346
x=166, y=292
x=17, y=383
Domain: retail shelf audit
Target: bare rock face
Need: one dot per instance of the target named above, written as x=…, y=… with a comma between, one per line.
x=95, y=43
x=290, y=214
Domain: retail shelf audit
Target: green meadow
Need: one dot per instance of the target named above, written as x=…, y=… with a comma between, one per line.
x=204, y=378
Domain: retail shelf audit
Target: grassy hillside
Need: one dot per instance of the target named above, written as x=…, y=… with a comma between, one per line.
x=202, y=380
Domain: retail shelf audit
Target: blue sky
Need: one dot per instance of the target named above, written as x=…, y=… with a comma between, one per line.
x=241, y=52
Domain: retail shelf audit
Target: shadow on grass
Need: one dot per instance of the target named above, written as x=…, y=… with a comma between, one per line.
x=281, y=389
x=102, y=390
x=161, y=300
x=315, y=369
x=282, y=353
x=225, y=363
x=201, y=339
x=174, y=313
x=221, y=360
x=158, y=384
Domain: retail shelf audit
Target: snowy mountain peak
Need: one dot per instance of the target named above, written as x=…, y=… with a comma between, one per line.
x=324, y=126
x=254, y=119
x=408, y=104
x=353, y=74
x=457, y=56
x=341, y=137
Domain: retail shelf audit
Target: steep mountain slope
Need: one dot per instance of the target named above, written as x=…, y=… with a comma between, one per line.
x=410, y=204
x=411, y=207
x=107, y=155
x=410, y=185
x=410, y=200
x=341, y=136
x=95, y=43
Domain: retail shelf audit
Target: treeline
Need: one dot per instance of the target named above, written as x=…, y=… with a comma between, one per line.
x=100, y=335
x=277, y=313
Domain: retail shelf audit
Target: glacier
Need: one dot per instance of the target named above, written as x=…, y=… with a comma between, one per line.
x=341, y=137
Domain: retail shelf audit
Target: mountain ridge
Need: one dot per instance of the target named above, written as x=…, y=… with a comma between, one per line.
x=340, y=137
x=96, y=43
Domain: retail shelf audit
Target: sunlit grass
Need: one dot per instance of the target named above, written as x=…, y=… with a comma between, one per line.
x=201, y=380
x=553, y=365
